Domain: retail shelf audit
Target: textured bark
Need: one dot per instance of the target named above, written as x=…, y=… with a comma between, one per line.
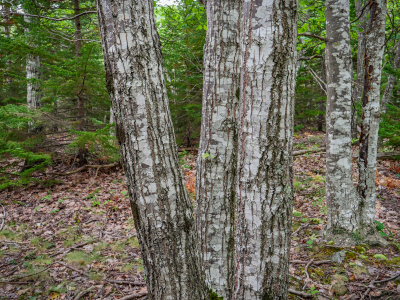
x=78, y=46
x=217, y=156
x=391, y=79
x=265, y=192
x=161, y=208
x=374, y=48
x=357, y=90
x=33, y=73
x=341, y=196
x=5, y=6
x=350, y=211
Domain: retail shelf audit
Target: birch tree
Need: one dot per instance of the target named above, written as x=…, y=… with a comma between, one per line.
x=217, y=158
x=351, y=211
x=33, y=73
x=161, y=208
x=265, y=179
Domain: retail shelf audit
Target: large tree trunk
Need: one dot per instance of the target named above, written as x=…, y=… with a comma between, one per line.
x=33, y=95
x=374, y=48
x=357, y=90
x=391, y=79
x=265, y=191
x=341, y=196
x=162, y=210
x=217, y=157
x=5, y=6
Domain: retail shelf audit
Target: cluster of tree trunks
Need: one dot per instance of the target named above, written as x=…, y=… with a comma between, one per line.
x=238, y=243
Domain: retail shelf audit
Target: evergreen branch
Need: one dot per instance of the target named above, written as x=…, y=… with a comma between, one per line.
x=49, y=18
x=312, y=35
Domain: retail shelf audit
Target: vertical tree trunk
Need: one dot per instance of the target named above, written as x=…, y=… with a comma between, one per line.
x=374, y=48
x=322, y=102
x=265, y=191
x=162, y=210
x=33, y=95
x=341, y=196
x=78, y=46
x=7, y=32
x=357, y=90
x=350, y=211
x=217, y=158
x=389, y=86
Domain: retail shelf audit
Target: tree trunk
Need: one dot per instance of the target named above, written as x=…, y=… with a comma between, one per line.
x=265, y=191
x=349, y=210
x=374, y=49
x=341, y=196
x=389, y=86
x=217, y=156
x=78, y=46
x=321, y=117
x=5, y=6
x=357, y=90
x=33, y=95
x=162, y=210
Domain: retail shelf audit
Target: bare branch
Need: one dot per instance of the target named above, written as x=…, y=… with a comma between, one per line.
x=312, y=35
x=48, y=18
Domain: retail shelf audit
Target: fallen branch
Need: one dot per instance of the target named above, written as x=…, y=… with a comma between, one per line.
x=301, y=294
x=317, y=263
x=81, y=294
x=301, y=152
x=134, y=296
x=126, y=282
x=389, y=279
x=306, y=271
x=72, y=268
x=70, y=249
x=85, y=167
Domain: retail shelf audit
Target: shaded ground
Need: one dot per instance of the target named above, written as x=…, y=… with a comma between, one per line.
x=78, y=236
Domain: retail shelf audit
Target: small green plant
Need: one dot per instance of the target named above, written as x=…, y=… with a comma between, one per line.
x=380, y=227
x=93, y=194
x=47, y=197
x=313, y=291
x=95, y=203
x=54, y=211
x=205, y=155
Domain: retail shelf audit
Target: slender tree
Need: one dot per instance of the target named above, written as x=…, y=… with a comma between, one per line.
x=371, y=116
x=217, y=159
x=162, y=210
x=391, y=79
x=265, y=179
x=351, y=211
x=33, y=73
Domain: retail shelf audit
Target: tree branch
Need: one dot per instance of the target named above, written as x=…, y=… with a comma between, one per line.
x=312, y=35
x=48, y=18
x=362, y=12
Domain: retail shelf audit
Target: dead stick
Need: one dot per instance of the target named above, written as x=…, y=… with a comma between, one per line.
x=126, y=282
x=301, y=294
x=389, y=279
x=72, y=268
x=306, y=271
x=134, y=296
x=81, y=294
x=314, y=262
x=4, y=217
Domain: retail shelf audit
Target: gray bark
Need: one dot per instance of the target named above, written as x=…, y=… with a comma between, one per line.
x=78, y=46
x=374, y=49
x=33, y=73
x=341, y=196
x=391, y=79
x=351, y=211
x=265, y=192
x=162, y=210
x=217, y=156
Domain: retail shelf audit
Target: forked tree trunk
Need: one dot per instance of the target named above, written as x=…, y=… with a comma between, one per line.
x=374, y=49
x=351, y=212
x=265, y=187
x=33, y=93
x=391, y=79
x=217, y=158
x=162, y=210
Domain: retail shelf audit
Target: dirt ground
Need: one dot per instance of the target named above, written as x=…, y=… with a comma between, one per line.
x=76, y=239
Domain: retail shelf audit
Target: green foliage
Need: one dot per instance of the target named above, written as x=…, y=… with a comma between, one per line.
x=389, y=128
x=380, y=227
x=214, y=295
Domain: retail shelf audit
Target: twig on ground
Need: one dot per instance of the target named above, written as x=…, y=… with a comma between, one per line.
x=70, y=249
x=126, y=282
x=314, y=262
x=72, y=268
x=33, y=274
x=301, y=294
x=306, y=271
x=86, y=167
x=18, y=282
x=300, y=228
x=81, y=294
x=370, y=285
x=301, y=152
x=3, y=218
x=134, y=296
x=389, y=279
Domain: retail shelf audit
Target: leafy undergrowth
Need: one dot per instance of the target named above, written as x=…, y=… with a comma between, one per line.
x=77, y=237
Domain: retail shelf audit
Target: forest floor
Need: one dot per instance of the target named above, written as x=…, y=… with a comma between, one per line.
x=76, y=239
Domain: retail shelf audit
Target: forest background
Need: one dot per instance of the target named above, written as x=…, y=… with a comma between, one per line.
x=68, y=128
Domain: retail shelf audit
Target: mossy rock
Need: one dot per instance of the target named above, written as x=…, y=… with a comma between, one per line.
x=339, y=289
x=340, y=278
x=359, y=270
